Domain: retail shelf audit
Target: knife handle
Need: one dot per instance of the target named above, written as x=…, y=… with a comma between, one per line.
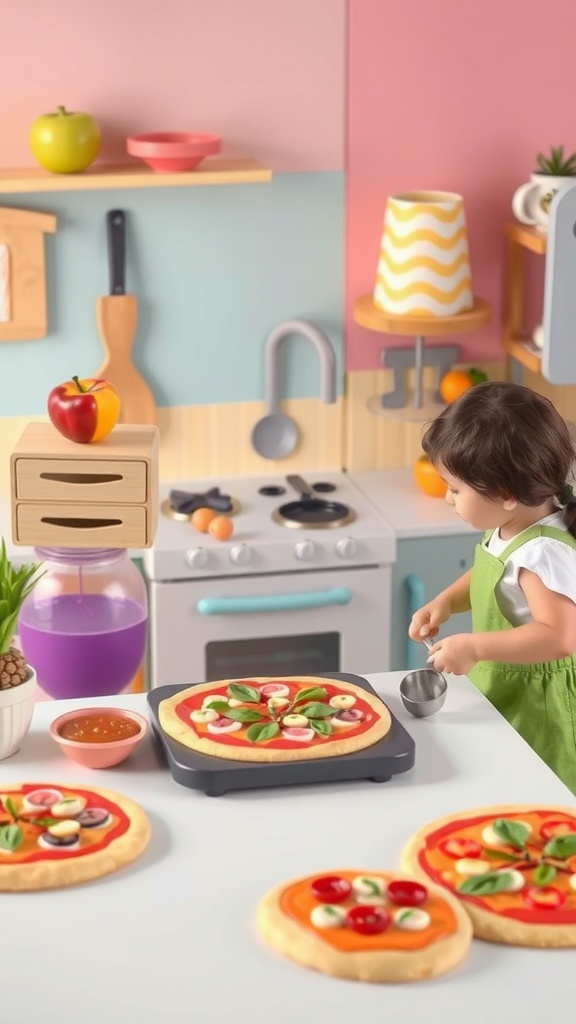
x=116, y=232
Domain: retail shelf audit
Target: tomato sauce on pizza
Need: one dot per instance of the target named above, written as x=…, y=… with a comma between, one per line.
x=361, y=913
x=521, y=866
x=45, y=822
x=280, y=714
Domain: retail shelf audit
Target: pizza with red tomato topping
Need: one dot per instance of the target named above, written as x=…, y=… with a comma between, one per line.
x=288, y=718
x=366, y=925
x=53, y=835
x=513, y=867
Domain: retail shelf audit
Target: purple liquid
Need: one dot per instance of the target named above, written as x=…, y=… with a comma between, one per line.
x=85, y=645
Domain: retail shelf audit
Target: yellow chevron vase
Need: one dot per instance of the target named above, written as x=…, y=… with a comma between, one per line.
x=424, y=264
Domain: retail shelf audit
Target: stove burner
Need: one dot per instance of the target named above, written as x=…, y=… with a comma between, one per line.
x=182, y=504
x=272, y=491
x=313, y=514
x=323, y=487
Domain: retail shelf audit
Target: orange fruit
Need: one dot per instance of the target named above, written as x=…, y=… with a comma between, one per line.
x=455, y=383
x=221, y=528
x=201, y=518
x=428, y=478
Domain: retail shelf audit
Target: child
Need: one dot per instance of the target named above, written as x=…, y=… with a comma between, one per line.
x=506, y=455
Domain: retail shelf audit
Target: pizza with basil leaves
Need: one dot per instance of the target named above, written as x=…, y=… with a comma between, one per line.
x=366, y=925
x=288, y=718
x=58, y=835
x=512, y=866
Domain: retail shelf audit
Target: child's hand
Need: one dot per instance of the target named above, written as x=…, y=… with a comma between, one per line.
x=428, y=619
x=454, y=654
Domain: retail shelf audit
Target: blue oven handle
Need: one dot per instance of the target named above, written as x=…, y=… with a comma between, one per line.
x=274, y=602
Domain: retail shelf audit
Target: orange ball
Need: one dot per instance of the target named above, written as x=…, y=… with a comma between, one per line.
x=428, y=478
x=221, y=528
x=454, y=384
x=201, y=518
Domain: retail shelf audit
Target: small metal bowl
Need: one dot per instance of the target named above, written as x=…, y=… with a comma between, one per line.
x=423, y=692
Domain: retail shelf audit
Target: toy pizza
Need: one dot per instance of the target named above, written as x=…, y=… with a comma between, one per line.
x=513, y=867
x=366, y=926
x=275, y=719
x=53, y=836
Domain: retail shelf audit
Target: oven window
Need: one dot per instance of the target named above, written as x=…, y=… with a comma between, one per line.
x=302, y=655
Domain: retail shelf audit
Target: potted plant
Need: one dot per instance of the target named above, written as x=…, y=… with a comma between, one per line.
x=17, y=678
x=531, y=201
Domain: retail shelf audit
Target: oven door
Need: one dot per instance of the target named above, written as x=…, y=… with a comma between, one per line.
x=302, y=623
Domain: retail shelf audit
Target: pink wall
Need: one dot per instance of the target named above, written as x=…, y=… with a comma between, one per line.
x=451, y=95
x=267, y=75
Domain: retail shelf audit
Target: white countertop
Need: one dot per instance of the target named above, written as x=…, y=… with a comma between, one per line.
x=172, y=937
x=394, y=493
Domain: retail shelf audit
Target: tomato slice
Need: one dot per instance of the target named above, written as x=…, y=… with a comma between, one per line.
x=368, y=920
x=331, y=889
x=545, y=897
x=407, y=894
x=557, y=827
x=458, y=848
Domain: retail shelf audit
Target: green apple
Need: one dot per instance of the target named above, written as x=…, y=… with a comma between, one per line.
x=65, y=142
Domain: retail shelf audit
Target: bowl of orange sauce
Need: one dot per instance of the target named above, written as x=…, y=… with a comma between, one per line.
x=98, y=737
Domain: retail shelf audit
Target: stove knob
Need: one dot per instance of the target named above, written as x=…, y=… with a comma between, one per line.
x=305, y=550
x=197, y=558
x=346, y=547
x=240, y=554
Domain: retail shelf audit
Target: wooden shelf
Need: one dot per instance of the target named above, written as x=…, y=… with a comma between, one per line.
x=529, y=238
x=212, y=171
x=368, y=315
x=524, y=351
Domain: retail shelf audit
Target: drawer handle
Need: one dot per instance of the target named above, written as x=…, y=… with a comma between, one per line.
x=79, y=524
x=82, y=478
x=274, y=602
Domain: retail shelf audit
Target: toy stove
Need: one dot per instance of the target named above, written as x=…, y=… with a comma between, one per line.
x=302, y=586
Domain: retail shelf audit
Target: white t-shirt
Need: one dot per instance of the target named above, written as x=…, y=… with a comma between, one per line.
x=552, y=560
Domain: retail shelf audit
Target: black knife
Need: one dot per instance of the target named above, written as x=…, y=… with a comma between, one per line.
x=116, y=232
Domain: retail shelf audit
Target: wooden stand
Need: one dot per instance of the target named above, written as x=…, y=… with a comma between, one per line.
x=520, y=239
x=101, y=495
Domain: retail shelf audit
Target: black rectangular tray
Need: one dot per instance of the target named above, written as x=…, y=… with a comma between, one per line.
x=217, y=775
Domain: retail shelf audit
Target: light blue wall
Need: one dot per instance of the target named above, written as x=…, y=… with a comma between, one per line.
x=214, y=268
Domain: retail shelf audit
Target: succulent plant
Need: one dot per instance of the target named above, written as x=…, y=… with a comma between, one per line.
x=15, y=585
x=556, y=163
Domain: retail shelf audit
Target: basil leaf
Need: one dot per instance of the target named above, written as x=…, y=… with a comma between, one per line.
x=317, y=711
x=248, y=693
x=11, y=807
x=262, y=731
x=514, y=833
x=561, y=846
x=544, y=874
x=498, y=855
x=312, y=693
x=485, y=885
x=244, y=715
x=46, y=822
x=221, y=706
x=322, y=728
x=11, y=837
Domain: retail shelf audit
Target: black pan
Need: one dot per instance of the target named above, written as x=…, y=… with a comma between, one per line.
x=310, y=511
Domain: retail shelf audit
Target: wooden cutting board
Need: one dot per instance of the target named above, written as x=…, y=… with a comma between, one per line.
x=117, y=316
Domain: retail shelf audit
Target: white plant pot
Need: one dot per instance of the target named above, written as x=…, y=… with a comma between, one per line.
x=16, y=709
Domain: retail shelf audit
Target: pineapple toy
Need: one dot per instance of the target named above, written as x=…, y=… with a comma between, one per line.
x=15, y=585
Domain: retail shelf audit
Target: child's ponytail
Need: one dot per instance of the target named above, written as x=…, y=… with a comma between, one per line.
x=567, y=499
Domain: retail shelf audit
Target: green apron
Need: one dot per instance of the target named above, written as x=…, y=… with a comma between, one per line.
x=538, y=700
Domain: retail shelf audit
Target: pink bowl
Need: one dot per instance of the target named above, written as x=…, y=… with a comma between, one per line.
x=171, y=152
x=98, y=755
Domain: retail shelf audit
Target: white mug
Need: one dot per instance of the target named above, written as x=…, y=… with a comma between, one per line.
x=531, y=201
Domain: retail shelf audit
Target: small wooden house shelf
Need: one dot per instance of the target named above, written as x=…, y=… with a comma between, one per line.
x=212, y=171
x=516, y=344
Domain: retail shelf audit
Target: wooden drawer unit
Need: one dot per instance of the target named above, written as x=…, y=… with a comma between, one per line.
x=85, y=495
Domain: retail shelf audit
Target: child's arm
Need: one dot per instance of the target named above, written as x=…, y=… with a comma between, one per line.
x=456, y=598
x=551, y=635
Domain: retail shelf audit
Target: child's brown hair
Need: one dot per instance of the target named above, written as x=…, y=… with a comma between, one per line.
x=506, y=441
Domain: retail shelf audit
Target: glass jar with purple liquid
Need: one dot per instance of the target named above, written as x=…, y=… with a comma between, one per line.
x=84, y=625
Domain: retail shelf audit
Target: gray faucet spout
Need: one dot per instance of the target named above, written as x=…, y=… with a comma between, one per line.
x=325, y=354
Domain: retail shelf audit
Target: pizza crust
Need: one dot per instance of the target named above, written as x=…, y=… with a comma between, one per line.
x=487, y=925
x=55, y=874
x=178, y=730
x=306, y=947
